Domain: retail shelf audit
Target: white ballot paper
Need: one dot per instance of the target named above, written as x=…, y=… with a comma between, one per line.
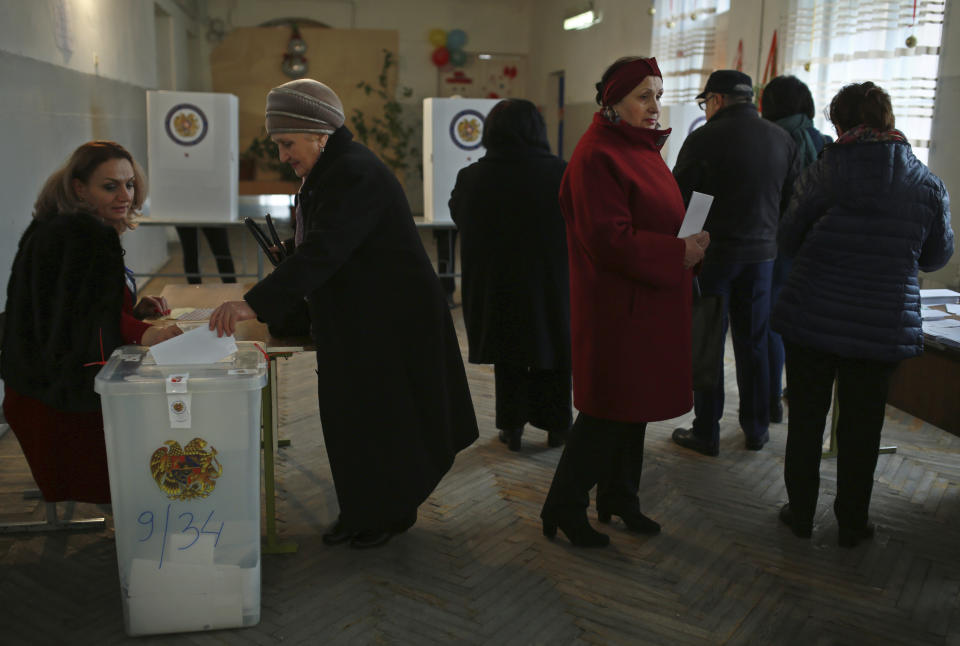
x=199, y=345
x=696, y=215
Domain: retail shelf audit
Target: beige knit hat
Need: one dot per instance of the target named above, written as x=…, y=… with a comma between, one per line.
x=303, y=105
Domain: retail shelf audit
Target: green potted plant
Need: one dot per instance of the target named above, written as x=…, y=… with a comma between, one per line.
x=388, y=135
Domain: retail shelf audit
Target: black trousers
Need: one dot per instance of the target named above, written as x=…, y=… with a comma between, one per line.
x=862, y=397
x=598, y=452
x=538, y=397
x=219, y=245
x=447, y=259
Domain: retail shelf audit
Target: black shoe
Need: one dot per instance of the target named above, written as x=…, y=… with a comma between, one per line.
x=776, y=412
x=337, y=534
x=800, y=530
x=756, y=445
x=405, y=524
x=556, y=438
x=634, y=520
x=511, y=438
x=579, y=533
x=371, y=538
x=685, y=438
x=851, y=537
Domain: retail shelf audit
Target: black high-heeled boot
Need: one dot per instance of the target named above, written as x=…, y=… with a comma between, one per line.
x=578, y=532
x=634, y=520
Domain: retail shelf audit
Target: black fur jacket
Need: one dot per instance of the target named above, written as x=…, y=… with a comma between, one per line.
x=64, y=301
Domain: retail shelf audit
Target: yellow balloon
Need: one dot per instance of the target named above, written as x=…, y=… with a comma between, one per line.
x=437, y=37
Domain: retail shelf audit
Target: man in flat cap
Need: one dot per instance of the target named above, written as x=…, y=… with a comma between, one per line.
x=748, y=165
x=393, y=396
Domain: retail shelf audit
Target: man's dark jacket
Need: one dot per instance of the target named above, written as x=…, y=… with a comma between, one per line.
x=393, y=395
x=748, y=165
x=516, y=291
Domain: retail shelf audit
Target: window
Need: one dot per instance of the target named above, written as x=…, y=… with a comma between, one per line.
x=830, y=43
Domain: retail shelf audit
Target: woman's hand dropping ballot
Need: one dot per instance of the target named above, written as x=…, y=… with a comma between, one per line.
x=225, y=318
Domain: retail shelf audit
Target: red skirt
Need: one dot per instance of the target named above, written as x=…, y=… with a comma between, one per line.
x=66, y=451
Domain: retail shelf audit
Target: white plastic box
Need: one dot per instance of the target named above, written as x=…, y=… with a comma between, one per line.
x=183, y=452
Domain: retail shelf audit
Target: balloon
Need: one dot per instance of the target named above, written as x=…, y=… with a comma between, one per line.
x=437, y=37
x=440, y=56
x=456, y=39
x=457, y=57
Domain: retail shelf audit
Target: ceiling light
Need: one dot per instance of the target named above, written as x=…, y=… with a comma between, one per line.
x=582, y=20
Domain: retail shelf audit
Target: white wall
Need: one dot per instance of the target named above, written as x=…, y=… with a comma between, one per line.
x=72, y=71
x=626, y=29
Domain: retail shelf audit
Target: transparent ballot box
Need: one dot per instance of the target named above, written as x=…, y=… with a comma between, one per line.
x=183, y=451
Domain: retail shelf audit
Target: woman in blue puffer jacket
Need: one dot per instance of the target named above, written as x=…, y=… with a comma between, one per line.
x=863, y=219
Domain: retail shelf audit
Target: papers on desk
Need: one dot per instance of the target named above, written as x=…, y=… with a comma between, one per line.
x=930, y=314
x=199, y=345
x=953, y=309
x=938, y=296
x=946, y=331
x=697, y=212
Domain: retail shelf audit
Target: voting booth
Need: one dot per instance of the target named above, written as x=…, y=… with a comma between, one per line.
x=452, y=130
x=183, y=452
x=193, y=156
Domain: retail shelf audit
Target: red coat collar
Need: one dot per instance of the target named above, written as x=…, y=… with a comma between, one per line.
x=645, y=137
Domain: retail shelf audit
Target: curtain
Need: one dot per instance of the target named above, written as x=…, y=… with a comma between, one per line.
x=830, y=43
x=685, y=41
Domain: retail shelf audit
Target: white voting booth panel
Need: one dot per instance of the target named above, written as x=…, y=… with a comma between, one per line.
x=183, y=453
x=452, y=129
x=192, y=153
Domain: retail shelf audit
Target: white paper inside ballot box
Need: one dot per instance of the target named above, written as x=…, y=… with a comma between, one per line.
x=181, y=597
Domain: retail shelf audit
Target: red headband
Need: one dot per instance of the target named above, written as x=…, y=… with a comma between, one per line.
x=627, y=77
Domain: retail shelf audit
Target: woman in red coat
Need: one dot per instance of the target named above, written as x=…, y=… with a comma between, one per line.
x=630, y=299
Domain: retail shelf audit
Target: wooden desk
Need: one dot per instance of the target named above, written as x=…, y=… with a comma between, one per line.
x=203, y=296
x=928, y=386
x=226, y=224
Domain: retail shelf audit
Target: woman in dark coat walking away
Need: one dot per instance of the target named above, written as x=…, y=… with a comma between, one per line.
x=393, y=395
x=864, y=218
x=516, y=302
x=630, y=303
x=788, y=103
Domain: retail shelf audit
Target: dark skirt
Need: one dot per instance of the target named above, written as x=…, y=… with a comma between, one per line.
x=528, y=396
x=66, y=451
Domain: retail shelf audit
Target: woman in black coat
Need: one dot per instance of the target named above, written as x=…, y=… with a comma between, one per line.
x=392, y=391
x=516, y=300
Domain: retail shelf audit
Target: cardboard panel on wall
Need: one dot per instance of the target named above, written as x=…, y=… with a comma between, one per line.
x=248, y=62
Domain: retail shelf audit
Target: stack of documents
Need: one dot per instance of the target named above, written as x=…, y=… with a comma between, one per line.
x=938, y=296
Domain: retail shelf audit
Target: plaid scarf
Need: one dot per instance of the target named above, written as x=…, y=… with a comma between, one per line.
x=864, y=134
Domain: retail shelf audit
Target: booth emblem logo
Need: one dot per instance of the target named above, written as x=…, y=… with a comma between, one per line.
x=186, y=473
x=186, y=124
x=466, y=129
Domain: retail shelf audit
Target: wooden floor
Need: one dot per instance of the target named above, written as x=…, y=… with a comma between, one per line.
x=475, y=569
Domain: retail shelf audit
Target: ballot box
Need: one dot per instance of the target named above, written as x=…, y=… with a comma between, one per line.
x=452, y=135
x=183, y=453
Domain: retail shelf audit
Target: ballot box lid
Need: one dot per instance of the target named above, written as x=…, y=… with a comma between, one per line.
x=131, y=370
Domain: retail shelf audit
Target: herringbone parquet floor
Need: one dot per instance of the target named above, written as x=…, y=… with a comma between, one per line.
x=475, y=569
